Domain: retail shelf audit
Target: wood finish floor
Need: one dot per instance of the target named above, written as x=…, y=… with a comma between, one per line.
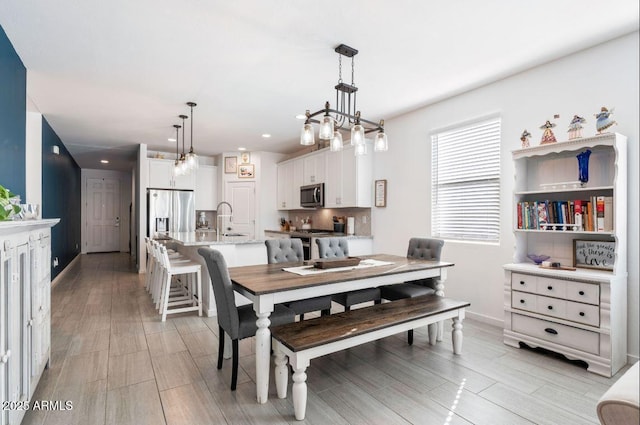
x=113, y=358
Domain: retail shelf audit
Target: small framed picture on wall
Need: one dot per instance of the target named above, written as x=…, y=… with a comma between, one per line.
x=231, y=164
x=381, y=193
x=245, y=157
x=246, y=171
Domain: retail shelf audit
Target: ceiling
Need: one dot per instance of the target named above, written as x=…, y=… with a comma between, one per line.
x=108, y=75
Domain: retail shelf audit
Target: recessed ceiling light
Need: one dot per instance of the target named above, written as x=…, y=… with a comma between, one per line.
x=242, y=149
x=171, y=139
x=301, y=117
x=104, y=161
x=266, y=135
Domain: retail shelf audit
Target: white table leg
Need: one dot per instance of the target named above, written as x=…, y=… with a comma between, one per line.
x=440, y=293
x=299, y=392
x=263, y=355
x=281, y=374
x=433, y=332
x=228, y=349
x=456, y=335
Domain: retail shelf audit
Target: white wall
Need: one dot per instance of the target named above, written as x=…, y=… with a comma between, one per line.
x=605, y=75
x=125, y=200
x=33, y=160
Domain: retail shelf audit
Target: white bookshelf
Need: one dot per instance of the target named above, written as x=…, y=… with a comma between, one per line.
x=579, y=313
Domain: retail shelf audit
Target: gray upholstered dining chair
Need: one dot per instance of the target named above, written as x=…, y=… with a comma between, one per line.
x=423, y=249
x=238, y=322
x=290, y=250
x=339, y=248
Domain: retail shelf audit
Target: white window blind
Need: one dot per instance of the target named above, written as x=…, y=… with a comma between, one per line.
x=466, y=182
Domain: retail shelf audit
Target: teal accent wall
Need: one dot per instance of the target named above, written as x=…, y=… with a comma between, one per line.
x=13, y=106
x=61, y=198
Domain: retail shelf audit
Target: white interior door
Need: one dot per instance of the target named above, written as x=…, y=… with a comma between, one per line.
x=103, y=215
x=241, y=196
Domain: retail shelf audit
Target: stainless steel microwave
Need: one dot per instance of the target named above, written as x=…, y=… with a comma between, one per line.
x=312, y=196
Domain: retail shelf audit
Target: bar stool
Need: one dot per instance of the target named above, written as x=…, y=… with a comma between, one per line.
x=193, y=295
x=158, y=274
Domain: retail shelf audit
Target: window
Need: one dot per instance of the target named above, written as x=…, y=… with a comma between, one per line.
x=465, y=171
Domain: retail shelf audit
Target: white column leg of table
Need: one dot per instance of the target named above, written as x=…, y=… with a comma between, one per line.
x=456, y=333
x=263, y=309
x=440, y=293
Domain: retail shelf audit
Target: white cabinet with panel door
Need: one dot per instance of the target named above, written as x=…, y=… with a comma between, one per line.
x=314, y=168
x=25, y=313
x=290, y=178
x=206, y=188
x=161, y=176
x=349, y=180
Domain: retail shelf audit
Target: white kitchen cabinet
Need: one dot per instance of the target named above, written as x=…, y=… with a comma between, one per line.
x=349, y=181
x=579, y=313
x=314, y=168
x=290, y=178
x=25, y=312
x=206, y=188
x=161, y=176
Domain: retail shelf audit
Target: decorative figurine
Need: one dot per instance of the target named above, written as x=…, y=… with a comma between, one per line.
x=604, y=120
x=525, y=139
x=547, y=136
x=575, y=127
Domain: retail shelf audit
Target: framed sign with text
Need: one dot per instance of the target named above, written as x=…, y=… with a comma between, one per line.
x=380, y=193
x=594, y=254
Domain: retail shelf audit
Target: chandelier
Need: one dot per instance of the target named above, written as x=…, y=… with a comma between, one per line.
x=185, y=163
x=346, y=115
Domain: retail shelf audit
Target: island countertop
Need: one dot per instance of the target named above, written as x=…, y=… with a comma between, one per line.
x=207, y=238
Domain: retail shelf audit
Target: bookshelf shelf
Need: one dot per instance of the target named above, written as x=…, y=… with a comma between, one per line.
x=588, y=319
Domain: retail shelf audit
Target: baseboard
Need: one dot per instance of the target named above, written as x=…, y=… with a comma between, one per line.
x=64, y=271
x=484, y=319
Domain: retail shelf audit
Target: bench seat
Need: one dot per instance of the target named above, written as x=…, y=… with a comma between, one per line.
x=306, y=340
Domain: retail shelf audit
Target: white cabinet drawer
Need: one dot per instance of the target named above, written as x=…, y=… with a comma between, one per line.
x=559, y=334
x=523, y=301
x=523, y=282
x=583, y=292
x=583, y=313
x=551, y=287
x=552, y=307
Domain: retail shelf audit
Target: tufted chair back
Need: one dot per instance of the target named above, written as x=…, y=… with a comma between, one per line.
x=425, y=249
x=333, y=247
x=223, y=291
x=284, y=250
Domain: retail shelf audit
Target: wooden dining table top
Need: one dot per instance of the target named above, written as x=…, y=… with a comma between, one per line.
x=269, y=278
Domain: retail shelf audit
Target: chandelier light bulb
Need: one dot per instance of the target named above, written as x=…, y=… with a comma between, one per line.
x=326, y=128
x=381, y=144
x=336, y=142
x=306, y=135
x=357, y=135
x=360, y=149
x=192, y=161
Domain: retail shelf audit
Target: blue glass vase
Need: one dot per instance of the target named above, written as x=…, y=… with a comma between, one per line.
x=583, y=166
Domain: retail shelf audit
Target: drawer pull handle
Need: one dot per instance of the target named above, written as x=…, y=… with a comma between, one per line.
x=550, y=288
x=522, y=301
x=522, y=282
x=581, y=292
x=550, y=307
x=582, y=313
x=551, y=331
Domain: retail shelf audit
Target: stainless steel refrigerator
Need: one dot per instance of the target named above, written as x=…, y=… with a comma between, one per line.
x=170, y=211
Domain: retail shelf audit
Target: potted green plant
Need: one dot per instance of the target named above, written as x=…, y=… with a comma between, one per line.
x=9, y=203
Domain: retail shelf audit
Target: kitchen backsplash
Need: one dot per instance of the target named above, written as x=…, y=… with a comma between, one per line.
x=322, y=218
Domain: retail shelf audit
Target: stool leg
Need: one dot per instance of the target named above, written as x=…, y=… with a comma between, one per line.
x=199, y=284
x=164, y=298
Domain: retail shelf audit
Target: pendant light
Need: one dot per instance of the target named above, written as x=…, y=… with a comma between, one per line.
x=176, y=164
x=192, y=158
x=336, y=142
x=346, y=114
x=184, y=170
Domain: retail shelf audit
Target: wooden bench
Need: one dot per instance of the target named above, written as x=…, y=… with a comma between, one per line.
x=308, y=339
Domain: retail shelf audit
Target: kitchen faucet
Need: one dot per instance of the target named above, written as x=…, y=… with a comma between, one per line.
x=220, y=217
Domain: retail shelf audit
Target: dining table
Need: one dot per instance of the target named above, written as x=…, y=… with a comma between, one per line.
x=266, y=285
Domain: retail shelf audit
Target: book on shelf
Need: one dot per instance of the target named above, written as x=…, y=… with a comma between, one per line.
x=590, y=215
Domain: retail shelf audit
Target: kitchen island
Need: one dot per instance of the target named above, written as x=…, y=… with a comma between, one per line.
x=237, y=251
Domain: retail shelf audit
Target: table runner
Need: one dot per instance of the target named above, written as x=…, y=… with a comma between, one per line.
x=310, y=270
